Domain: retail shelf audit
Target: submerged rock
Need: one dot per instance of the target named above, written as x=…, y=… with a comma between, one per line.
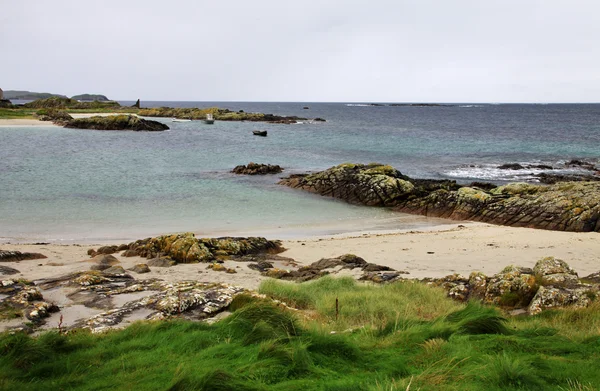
x=566, y=206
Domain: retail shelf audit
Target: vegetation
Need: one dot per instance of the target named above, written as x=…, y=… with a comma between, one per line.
x=116, y=122
x=90, y=97
x=218, y=114
x=416, y=340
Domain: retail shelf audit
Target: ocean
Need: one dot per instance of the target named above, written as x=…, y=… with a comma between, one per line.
x=65, y=185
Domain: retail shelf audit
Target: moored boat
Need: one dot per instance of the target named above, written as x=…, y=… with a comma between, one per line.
x=209, y=119
x=262, y=133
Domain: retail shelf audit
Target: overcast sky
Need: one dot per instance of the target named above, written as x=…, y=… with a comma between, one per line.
x=308, y=50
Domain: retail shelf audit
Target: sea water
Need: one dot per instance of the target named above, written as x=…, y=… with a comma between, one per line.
x=80, y=185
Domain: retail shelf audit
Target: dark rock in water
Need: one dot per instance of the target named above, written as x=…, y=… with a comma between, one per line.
x=5, y=270
x=116, y=122
x=582, y=164
x=161, y=262
x=262, y=133
x=140, y=268
x=16, y=256
x=136, y=104
x=551, y=179
x=511, y=166
x=572, y=206
x=306, y=107
x=319, y=120
x=257, y=169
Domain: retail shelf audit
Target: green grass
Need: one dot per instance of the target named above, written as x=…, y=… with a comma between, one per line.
x=445, y=346
x=16, y=113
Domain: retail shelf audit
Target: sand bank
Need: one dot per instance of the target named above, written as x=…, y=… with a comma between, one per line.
x=19, y=122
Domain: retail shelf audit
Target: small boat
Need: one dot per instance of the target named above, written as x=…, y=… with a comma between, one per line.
x=209, y=119
x=180, y=120
x=262, y=133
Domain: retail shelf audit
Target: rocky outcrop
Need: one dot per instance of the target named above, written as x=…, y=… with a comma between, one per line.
x=16, y=256
x=140, y=268
x=218, y=114
x=57, y=116
x=58, y=102
x=116, y=122
x=568, y=206
x=23, y=299
x=550, y=284
x=257, y=169
x=7, y=271
x=186, y=248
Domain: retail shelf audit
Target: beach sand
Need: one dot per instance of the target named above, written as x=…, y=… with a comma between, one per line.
x=11, y=123
x=436, y=252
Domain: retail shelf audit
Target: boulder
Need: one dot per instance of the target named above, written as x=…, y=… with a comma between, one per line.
x=114, y=270
x=554, y=297
x=257, y=169
x=140, y=268
x=105, y=260
x=556, y=272
x=512, y=287
x=260, y=266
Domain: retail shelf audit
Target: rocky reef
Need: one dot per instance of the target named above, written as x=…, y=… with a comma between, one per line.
x=116, y=122
x=186, y=248
x=218, y=114
x=257, y=169
x=564, y=206
x=57, y=116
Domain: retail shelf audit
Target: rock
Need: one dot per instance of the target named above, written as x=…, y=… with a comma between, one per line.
x=122, y=247
x=551, y=179
x=116, y=122
x=593, y=278
x=140, y=268
x=319, y=120
x=275, y=273
x=371, y=267
x=186, y=248
x=107, y=250
x=512, y=287
x=130, y=253
x=511, y=166
x=568, y=206
x=381, y=277
x=40, y=310
x=556, y=272
x=90, y=278
x=257, y=169
x=161, y=262
x=5, y=270
x=105, y=260
x=260, y=266
x=553, y=297
x=136, y=104
x=100, y=267
x=220, y=268
x=581, y=164
x=16, y=256
x=59, y=117
x=115, y=270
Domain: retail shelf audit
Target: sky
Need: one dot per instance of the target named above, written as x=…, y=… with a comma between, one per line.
x=305, y=51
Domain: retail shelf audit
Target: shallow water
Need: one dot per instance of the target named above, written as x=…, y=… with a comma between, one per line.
x=77, y=185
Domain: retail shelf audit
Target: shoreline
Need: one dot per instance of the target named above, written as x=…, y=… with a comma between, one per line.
x=432, y=252
x=35, y=123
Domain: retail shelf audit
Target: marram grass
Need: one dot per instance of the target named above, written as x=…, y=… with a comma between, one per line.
x=416, y=340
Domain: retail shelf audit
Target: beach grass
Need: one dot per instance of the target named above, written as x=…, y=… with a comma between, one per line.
x=267, y=346
x=16, y=113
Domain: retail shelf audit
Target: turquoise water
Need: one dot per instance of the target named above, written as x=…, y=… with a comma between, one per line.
x=78, y=185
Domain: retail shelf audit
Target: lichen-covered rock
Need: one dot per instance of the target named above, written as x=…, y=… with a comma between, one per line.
x=565, y=206
x=116, y=270
x=217, y=267
x=478, y=283
x=553, y=297
x=140, y=268
x=257, y=169
x=40, y=310
x=186, y=248
x=556, y=272
x=511, y=287
x=91, y=278
x=381, y=277
x=261, y=266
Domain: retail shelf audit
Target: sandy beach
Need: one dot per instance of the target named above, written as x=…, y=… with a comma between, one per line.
x=436, y=252
x=19, y=122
